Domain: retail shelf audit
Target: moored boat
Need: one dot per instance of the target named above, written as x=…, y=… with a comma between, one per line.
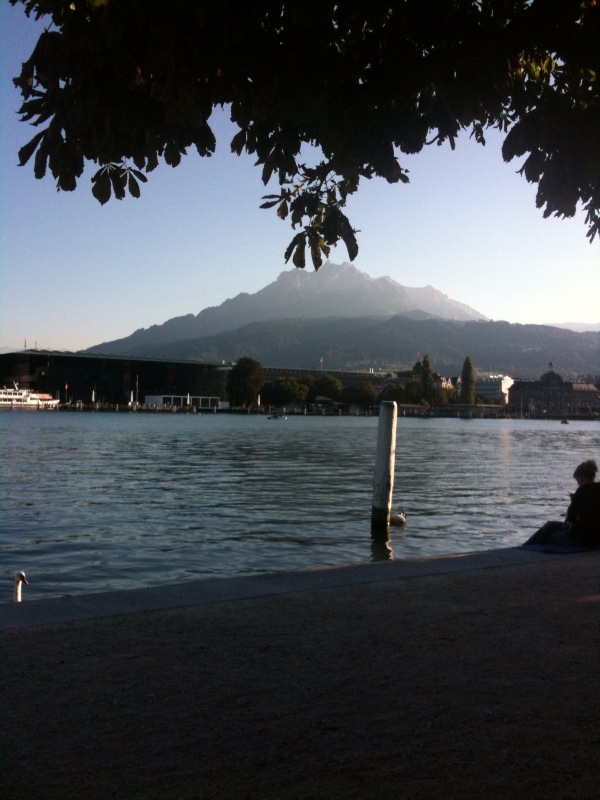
x=22, y=398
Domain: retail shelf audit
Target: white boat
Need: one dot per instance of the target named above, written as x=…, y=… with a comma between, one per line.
x=23, y=398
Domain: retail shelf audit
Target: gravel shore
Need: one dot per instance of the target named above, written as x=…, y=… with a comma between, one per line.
x=479, y=682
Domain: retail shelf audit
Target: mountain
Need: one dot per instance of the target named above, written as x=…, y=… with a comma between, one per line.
x=336, y=290
x=363, y=343
x=341, y=318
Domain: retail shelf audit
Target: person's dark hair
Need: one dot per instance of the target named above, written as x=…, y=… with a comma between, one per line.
x=587, y=469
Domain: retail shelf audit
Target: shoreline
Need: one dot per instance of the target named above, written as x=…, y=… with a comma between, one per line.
x=78, y=607
x=435, y=412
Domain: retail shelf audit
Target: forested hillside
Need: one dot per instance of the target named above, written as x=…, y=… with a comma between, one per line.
x=397, y=342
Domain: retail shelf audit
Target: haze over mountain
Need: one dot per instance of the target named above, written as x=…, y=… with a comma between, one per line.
x=578, y=327
x=336, y=290
x=341, y=318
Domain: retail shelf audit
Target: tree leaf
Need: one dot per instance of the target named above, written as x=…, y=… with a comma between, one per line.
x=27, y=150
x=347, y=234
x=101, y=187
x=41, y=160
x=283, y=210
x=152, y=161
x=133, y=186
x=118, y=182
x=315, y=254
x=299, y=240
x=299, y=257
x=172, y=154
x=238, y=142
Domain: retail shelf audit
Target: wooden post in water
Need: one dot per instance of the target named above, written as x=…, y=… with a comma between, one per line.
x=385, y=459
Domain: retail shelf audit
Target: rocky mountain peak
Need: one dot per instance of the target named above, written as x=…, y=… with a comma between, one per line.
x=336, y=290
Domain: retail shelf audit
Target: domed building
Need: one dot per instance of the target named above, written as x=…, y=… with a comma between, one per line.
x=551, y=396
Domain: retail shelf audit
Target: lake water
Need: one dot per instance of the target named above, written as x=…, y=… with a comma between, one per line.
x=99, y=501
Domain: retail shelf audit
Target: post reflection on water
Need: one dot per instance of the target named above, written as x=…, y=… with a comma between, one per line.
x=381, y=536
x=381, y=549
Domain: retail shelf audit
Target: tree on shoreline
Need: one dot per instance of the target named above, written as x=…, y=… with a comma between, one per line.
x=467, y=382
x=323, y=95
x=325, y=385
x=427, y=380
x=283, y=391
x=244, y=382
x=363, y=394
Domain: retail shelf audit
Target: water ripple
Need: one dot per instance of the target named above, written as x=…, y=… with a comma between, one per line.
x=105, y=501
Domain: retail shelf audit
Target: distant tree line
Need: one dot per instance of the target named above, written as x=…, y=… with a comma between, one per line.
x=246, y=388
x=246, y=384
x=423, y=386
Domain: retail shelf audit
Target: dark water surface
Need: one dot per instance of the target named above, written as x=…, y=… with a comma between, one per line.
x=97, y=501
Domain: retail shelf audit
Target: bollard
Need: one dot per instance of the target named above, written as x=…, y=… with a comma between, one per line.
x=385, y=458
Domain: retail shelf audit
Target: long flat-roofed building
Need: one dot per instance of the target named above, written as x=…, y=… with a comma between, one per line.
x=103, y=379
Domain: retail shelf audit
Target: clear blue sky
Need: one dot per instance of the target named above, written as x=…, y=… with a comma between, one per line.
x=74, y=273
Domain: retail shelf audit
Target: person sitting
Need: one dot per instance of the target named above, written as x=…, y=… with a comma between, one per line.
x=581, y=526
